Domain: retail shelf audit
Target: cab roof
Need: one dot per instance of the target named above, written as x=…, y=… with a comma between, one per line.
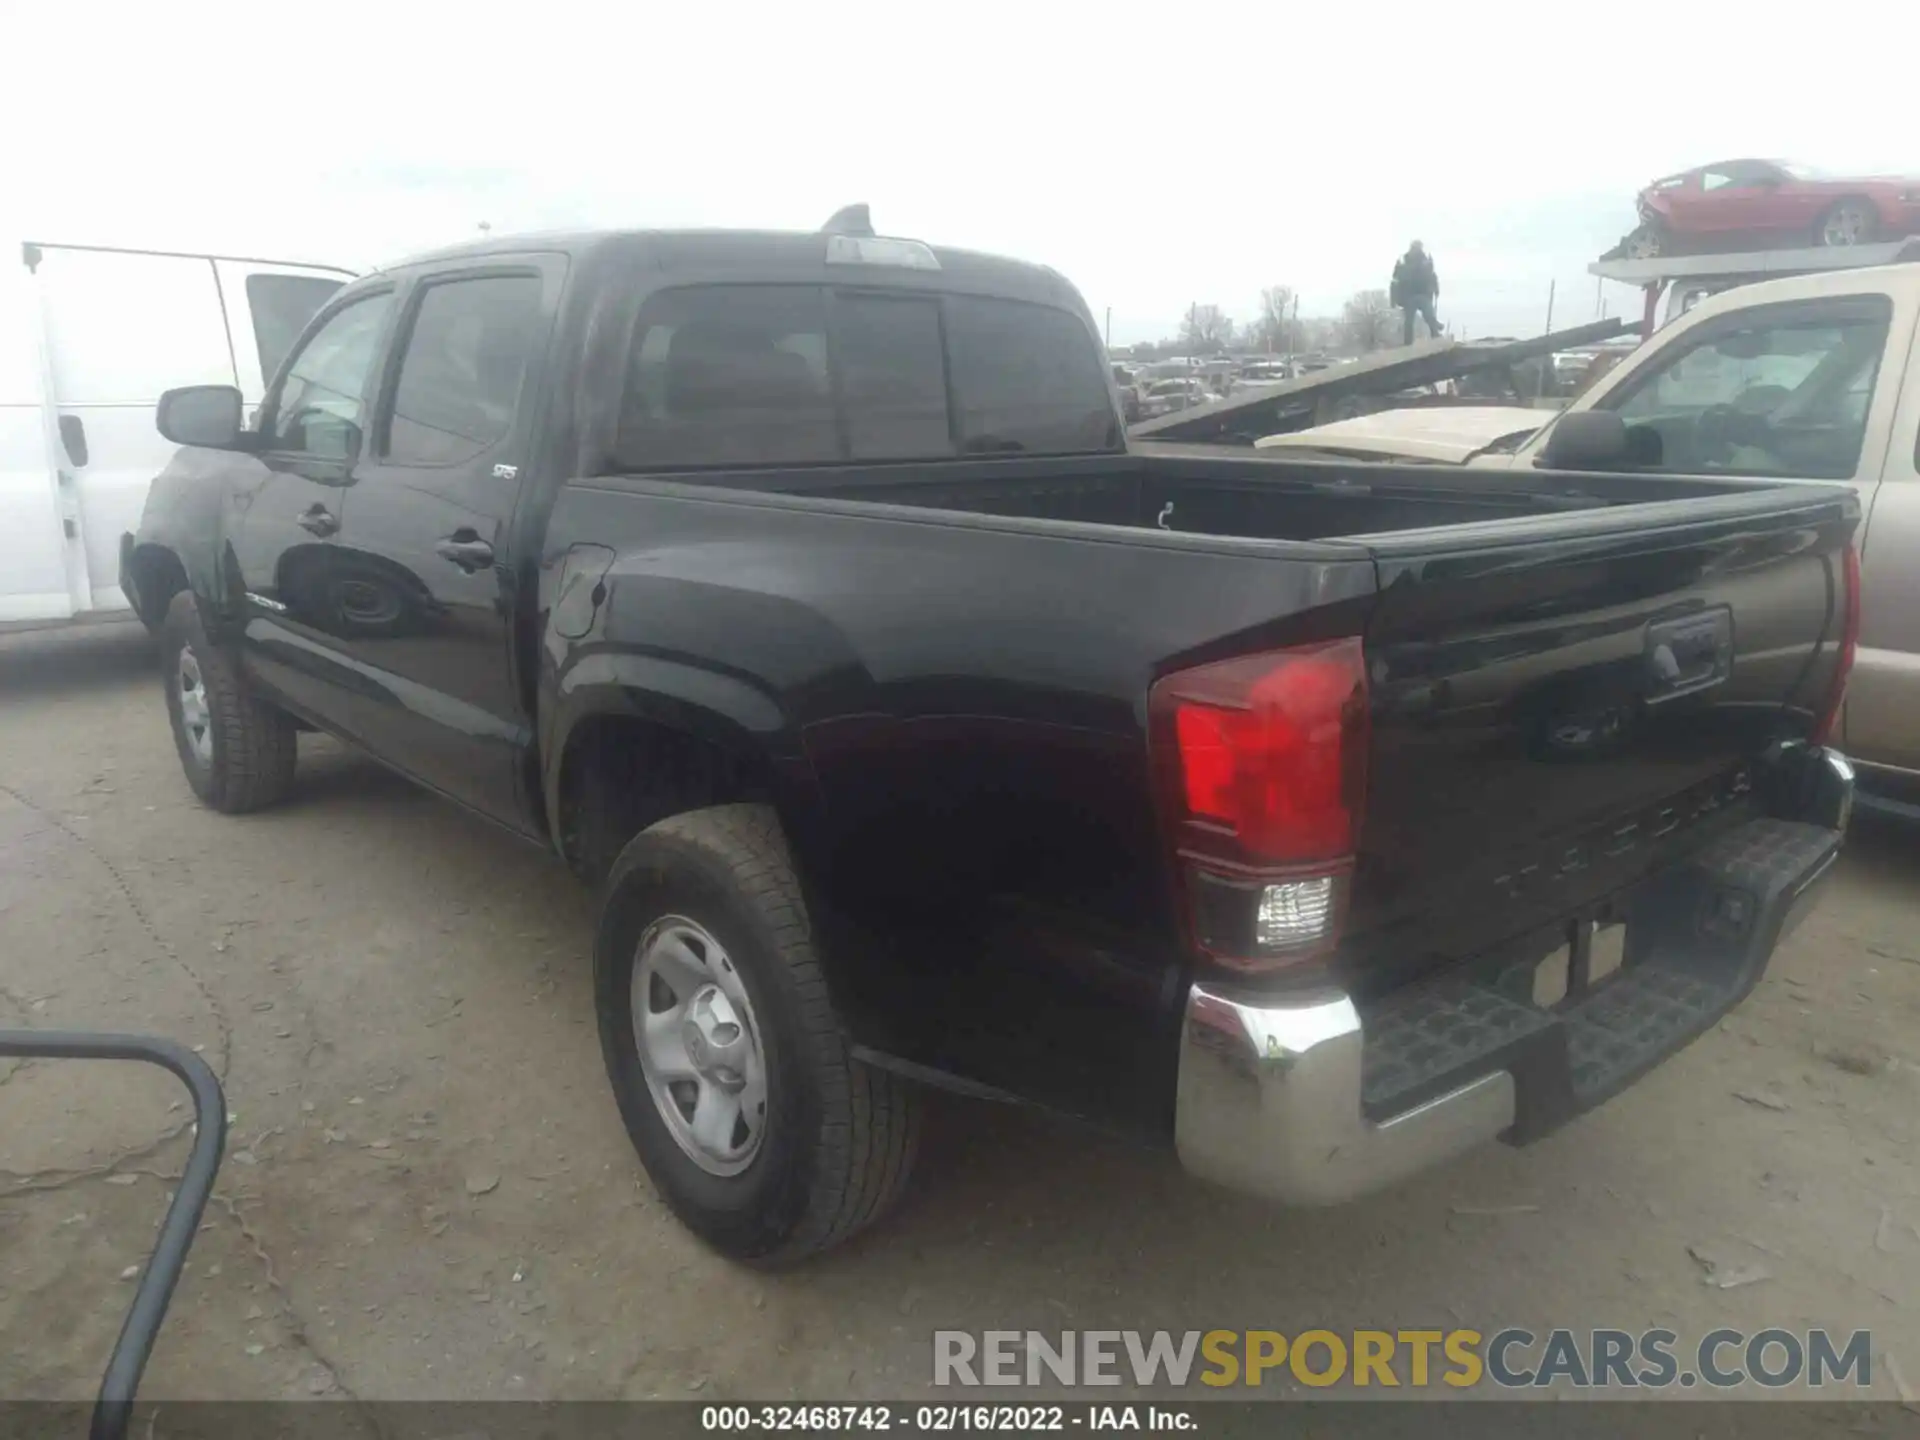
x=799, y=256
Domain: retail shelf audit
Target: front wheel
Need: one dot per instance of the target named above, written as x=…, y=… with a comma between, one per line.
x=1647, y=242
x=237, y=750
x=764, y=1135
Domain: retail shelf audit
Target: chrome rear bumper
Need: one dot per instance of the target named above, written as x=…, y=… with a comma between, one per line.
x=1276, y=1096
x=1269, y=1102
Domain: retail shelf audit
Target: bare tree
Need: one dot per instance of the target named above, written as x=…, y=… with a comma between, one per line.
x=1315, y=333
x=1276, y=329
x=1206, y=330
x=1367, y=321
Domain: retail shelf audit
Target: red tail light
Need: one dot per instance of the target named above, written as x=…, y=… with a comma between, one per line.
x=1262, y=764
x=1829, y=717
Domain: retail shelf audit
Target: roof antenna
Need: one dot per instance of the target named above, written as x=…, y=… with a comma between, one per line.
x=849, y=220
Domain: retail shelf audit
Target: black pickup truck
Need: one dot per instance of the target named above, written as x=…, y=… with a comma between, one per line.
x=800, y=590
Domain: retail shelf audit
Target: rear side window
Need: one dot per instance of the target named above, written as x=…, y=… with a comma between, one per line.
x=783, y=375
x=729, y=375
x=1026, y=377
x=281, y=306
x=460, y=375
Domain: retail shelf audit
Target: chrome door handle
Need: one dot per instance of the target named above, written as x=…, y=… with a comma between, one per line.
x=469, y=552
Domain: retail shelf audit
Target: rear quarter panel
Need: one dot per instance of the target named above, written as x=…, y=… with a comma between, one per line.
x=956, y=708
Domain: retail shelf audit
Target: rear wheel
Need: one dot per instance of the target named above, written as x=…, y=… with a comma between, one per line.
x=1851, y=222
x=764, y=1135
x=237, y=751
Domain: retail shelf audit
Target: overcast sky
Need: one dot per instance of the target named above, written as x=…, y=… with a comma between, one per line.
x=1156, y=155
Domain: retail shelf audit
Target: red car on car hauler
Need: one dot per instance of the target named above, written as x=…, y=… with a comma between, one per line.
x=1741, y=204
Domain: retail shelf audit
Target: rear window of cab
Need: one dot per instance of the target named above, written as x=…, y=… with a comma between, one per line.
x=735, y=375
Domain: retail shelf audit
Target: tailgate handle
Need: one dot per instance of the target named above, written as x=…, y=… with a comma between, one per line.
x=1689, y=654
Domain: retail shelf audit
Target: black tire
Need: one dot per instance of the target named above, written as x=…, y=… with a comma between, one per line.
x=247, y=758
x=840, y=1136
x=1863, y=229
x=1648, y=241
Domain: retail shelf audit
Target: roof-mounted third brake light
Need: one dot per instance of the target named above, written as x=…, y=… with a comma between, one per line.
x=851, y=241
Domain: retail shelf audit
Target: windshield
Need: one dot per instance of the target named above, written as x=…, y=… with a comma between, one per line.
x=1804, y=172
x=1784, y=392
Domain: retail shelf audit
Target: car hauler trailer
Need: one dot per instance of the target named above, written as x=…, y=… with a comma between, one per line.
x=1674, y=284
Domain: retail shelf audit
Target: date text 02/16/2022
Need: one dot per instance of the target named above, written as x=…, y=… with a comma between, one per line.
x=944, y=1419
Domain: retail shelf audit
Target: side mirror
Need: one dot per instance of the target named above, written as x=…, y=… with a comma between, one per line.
x=1586, y=440
x=205, y=415
x=73, y=436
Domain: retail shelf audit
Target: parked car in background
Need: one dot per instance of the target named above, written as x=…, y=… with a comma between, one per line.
x=1127, y=382
x=1740, y=203
x=89, y=338
x=1812, y=377
x=1268, y=373
x=1570, y=368
x=1164, y=397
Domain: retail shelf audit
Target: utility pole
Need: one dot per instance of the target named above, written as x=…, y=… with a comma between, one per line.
x=1546, y=361
x=1107, y=338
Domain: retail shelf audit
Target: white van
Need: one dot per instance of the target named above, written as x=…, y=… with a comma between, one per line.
x=89, y=337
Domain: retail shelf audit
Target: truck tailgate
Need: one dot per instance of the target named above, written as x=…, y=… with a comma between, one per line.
x=1561, y=706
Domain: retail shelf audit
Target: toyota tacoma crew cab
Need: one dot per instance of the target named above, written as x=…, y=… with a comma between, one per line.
x=1317, y=822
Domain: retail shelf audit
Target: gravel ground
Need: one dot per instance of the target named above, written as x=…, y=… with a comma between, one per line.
x=427, y=1191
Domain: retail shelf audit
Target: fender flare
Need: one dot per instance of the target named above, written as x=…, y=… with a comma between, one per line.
x=726, y=711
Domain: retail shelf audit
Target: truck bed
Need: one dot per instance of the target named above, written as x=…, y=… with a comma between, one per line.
x=963, y=653
x=1200, y=490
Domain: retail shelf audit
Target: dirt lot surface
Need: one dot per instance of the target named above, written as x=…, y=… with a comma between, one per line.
x=427, y=1191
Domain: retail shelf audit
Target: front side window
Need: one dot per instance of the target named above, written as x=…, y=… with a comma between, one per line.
x=1786, y=395
x=1741, y=175
x=281, y=306
x=321, y=410
x=460, y=375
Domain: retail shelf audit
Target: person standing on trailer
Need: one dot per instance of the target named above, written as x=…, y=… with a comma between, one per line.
x=1415, y=287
